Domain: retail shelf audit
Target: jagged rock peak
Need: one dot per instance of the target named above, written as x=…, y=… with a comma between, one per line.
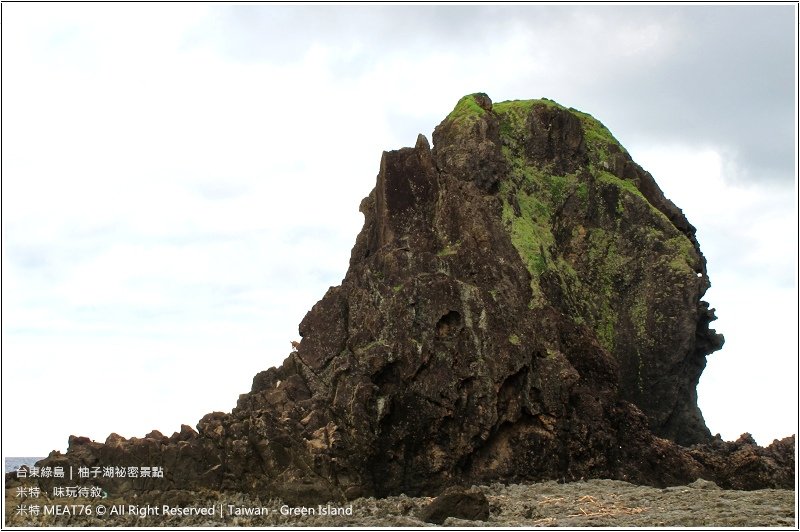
x=522, y=303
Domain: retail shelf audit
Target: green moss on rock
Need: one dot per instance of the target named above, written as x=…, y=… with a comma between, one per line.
x=600, y=143
x=513, y=119
x=467, y=109
x=683, y=254
x=449, y=249
x=534, y=195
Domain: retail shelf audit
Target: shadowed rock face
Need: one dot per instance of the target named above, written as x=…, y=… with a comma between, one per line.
x=523, y=303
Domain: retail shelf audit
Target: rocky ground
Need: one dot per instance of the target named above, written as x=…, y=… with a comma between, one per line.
x=577, y=504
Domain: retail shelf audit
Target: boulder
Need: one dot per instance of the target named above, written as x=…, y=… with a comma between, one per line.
x=459, y=503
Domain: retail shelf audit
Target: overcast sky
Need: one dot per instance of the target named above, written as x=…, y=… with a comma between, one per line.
x=181, y=182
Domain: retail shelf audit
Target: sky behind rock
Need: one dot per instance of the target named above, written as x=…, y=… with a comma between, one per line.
x=181, y=182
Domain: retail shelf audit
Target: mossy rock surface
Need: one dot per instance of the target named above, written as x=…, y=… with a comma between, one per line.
x=601, y=243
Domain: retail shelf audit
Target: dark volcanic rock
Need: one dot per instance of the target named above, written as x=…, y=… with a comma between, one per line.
x=523, y=303
x=742, y=464
x=457, y=502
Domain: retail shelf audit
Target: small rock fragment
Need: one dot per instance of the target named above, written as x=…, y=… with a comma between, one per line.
x=459, y=503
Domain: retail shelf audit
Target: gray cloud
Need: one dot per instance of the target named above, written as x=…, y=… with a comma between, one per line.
x=732, y=74
x=286, y=33
x=726, y=76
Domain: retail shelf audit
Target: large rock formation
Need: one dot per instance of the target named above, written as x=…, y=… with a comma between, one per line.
x=523, y=303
